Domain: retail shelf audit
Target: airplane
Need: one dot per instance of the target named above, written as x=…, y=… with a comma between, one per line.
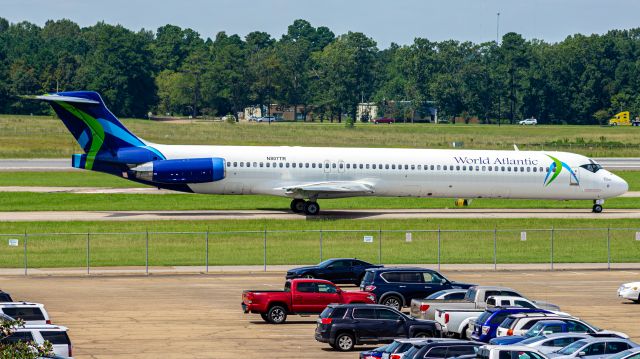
x=307, y=174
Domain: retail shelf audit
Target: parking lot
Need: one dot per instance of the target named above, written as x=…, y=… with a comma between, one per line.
x=199, y=316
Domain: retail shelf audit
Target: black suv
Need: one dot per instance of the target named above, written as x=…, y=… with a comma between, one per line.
x=346, y=325
x=395, y=287
x=442, y=349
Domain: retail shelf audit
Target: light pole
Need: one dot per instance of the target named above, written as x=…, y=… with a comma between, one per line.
x=497, y=28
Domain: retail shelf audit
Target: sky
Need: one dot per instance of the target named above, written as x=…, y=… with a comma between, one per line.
x=386, y=21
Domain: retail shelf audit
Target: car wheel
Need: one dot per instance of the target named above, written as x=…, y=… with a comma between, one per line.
x=392, y=301
x=422, y=335
x=345, y=342
x=308, y=276
x=277, y=314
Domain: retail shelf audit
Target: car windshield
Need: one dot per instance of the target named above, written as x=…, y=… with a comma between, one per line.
x=572, y=348
x=392, y=347
x=532, y=340
x=411, y=352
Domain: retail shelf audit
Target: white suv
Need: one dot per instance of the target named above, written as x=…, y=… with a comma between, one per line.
x=518, y=324
x=31, y=313
x=54, y=334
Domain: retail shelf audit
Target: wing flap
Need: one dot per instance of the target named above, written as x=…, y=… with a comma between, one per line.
x=335, y=188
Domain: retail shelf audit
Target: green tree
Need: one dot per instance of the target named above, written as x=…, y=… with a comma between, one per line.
x=118, y=66
x=20, y=349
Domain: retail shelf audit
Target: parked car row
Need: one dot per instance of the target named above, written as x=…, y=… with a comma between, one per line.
x=447, y=318
x=37, y=328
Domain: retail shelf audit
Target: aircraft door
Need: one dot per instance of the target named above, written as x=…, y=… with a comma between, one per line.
x=574, y=180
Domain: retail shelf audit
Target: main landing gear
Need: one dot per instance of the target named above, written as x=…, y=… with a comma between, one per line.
x=597, y=205
x=310, y=208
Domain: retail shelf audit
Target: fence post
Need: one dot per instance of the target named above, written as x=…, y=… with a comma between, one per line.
x=25, y=252
x=88, y=253
x=146, y=257
x=320, y=244
x=609, y=248
x=552, y=235
x=265, y=250
x=380, y=246
x=206, y=252
x=495, y=248
x=438, y=247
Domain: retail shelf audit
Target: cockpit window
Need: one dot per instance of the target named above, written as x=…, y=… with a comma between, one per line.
x=592, y=167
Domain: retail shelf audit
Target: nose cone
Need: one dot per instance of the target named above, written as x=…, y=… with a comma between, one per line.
x=618, y=186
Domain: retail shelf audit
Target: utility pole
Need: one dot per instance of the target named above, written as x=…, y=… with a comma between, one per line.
x=498, y=44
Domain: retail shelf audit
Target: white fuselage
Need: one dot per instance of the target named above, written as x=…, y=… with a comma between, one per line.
x=402, y=172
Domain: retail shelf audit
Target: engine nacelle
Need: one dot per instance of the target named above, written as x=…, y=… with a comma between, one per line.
x=191, y=170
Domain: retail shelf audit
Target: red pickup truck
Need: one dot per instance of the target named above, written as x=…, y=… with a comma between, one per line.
x=300, y=296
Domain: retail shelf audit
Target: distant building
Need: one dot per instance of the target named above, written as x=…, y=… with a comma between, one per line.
x=280, y=112
x=401, y=111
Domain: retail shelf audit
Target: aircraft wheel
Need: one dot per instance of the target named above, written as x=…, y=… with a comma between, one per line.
x=311, y=208
x=597, y=208
x=297, y=205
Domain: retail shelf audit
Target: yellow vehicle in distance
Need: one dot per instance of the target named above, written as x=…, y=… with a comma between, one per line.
x=623, y=119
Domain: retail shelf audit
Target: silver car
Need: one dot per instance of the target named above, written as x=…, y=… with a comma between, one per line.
x=627, y=354
x=550, y=343
x=593, y=348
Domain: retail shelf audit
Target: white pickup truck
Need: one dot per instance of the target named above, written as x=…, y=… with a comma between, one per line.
x=508, y=352
x=476, y=298
x=456, y=321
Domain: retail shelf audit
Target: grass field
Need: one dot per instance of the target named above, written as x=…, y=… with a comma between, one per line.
x=285, y=247
x=46, y=137
x=27, y=201
x=97, y=179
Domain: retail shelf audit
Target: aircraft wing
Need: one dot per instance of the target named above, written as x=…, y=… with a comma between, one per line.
x=333, y=189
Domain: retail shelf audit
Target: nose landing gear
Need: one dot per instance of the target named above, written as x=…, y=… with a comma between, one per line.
x=597, y=205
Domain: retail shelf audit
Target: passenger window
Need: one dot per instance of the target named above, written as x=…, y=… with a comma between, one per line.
x=595, y=349
x=261, y=164
x=248, y=164
x=577, y=327
x=464, y=168
x=281, y=164
x=241, y=164
x=490, y=168
x=439, y=168
x=386, y=167
x=504, y=302
x=341, y=165
x=228, y=164
x=268, y=164
x=235, y=164
x=293, y=165
x=393, y=167
x=432, y=167
x=430, y=278
x=438, y=352
x=326, y=165
x=515, y=169
x=333, y=165
x=364, y=313
x=306, y=165
x=535, y=169
x=306, y=287
x=457, y=168
x=460, y=350
x=327, y=288
x=406, y=167
x=374, y=166
x=367, y=166
x=616, y=347
x=348, y=165
x=386, y=314
x=287, y=164
x=300, y=165
x=444, y=167
x=313, y=165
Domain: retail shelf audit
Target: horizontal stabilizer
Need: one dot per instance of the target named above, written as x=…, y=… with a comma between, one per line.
x=66, y=99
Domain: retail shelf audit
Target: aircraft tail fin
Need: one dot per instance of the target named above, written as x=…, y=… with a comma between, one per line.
x=100, y=134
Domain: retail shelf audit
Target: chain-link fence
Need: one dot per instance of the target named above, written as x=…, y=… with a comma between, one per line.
x=149, y=251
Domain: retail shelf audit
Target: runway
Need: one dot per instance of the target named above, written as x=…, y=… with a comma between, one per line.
x=327, y=214
x=64, y=164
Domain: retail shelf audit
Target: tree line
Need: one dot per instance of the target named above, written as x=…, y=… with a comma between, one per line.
x=580, y=80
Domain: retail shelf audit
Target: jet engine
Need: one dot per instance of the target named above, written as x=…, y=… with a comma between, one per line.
x=181, y=171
